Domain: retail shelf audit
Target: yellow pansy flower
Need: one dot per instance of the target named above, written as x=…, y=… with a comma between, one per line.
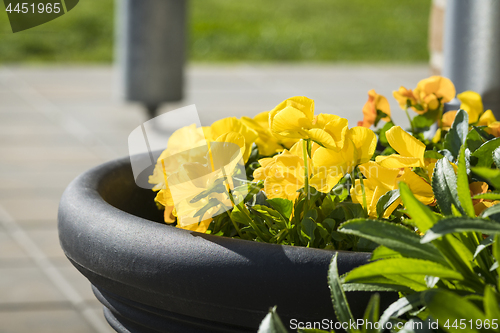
x=233, y=124
x=411, y=150
x=283, y=174
x=267, y=143
x=292, y=117
x=329, y=130
x=379, y=181
x=375, y=102
x=331, y=165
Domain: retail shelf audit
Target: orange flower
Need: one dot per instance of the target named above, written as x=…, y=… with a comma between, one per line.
x=375, y=103
x=429, y=94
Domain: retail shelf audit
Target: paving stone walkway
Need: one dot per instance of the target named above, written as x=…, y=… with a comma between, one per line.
x=57, y=122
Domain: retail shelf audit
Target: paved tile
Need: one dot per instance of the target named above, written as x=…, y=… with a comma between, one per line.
x=31, y=208
x=54, y=321
x=47, y=239
x=26, y=285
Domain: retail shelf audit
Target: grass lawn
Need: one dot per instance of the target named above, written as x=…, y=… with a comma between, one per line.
x=257, y=30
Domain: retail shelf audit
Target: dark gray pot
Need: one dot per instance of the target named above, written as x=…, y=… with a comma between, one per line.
x=152, y=277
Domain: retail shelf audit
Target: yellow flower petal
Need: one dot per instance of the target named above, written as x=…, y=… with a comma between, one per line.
x=365, y=142
x=472, y=103
x=291, y=123
x=201, y=227
x=395, y=161
x=405, y=144
x=440, y=86
x=486, y=118
x=323, y=137
x=418, y=186
x=380, y=176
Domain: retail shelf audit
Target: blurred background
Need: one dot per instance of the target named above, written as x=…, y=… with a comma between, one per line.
x=375, y=31
x=60, y=113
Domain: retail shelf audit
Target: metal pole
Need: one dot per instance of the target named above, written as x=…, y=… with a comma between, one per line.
x=150, y=50
x=472, y=48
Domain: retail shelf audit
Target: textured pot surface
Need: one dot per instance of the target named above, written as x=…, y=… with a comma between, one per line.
x=152, y=277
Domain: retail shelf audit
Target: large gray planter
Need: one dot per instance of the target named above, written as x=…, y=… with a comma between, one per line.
x=152, y=277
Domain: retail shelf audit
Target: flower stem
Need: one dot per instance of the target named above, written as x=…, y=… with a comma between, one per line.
x=360, y=176
x=305, y=143
x=411, y=123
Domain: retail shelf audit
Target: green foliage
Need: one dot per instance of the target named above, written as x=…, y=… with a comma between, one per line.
x=458, y=133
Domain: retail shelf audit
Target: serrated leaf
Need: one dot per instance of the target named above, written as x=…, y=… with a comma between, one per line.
x=339, y=300
x=393, y=236
x=445, y=305
x=386, y=201
x=402, y=266
x=422, y=216
x=463, y=185
x=457, y=134
x=283, y=206
x=496, y=157
x=272, y=323
x=444, y=185
x=460, y=224
x=483, y=156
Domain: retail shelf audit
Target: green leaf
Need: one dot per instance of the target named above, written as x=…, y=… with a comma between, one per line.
x=383, y=252
x=339, y=300
x=386, y=201
x=474, y=139
x=445, y=305
x=372, y=314
x=393, y=236
x=444, y=185
x=422, y=216
x=424, y=121
x=484, y=244
x=283, y=206
x=491, y=301
x=491, y=211
x=496, y=157
x=483, y=156
x=463, y=185
x=272, y=323
x=400, y=307
x=241, y=214
x=460, y=224
x=309, y=225
x=433, y=154
x=457, y=134
x=488, y=196
x=402, y=266
x=491, y=176
x=382, y=136
x=496, y=254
